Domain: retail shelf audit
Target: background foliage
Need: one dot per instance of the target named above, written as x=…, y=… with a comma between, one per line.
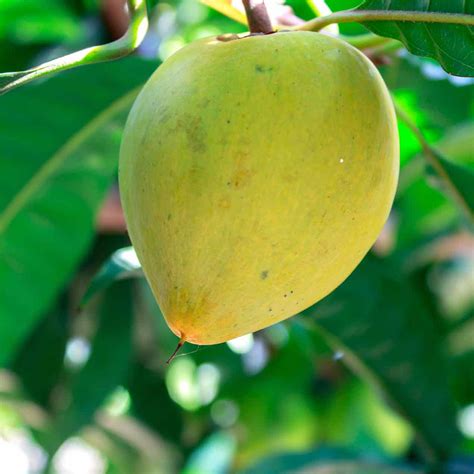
x=377, y=377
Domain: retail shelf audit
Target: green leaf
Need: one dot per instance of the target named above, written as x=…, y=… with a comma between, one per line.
x=59, y=144
x=326, y=461
x=214, y=455
x=450, y=45
x=461, y=179
x=148, y=391
x=464, y=377
x=456, y=180
x=39, y=363
x=122, y=264
x=106, y=368
x=30, y=21
x=434, y=98
x=385, y=328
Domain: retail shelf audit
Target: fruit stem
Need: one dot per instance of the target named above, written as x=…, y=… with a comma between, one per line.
x=257, y=16
x=178, y=347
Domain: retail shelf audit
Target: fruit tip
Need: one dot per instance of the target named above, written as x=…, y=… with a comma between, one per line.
x=178, y=347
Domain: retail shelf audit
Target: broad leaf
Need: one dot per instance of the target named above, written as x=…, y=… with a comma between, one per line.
x=451, y=45
x=40, y=361
x=59, y=144
x=385, y=329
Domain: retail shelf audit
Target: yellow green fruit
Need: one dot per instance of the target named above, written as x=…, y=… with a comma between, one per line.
x=255, y=174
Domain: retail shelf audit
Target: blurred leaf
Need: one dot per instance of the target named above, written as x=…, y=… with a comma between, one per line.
x=226, y=8
x=214, y=455
x=65, y=133
x=356, y=416
x=30, y=21
x=152, y=404
x=277, y=405
x=39, y=363
x=450, y=45
x=464, y=377
x=460, y=465
x=459, y=143
x=461, y=178
x=122, y=264
x=366, y=318
x=422, y=212
x=443, y=101
x=106, y=368
x=326, y=461
x=455, y=180
x=133, y=447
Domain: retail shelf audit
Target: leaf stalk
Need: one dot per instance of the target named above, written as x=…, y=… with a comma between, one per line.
x=94, y=54
x=361, y=16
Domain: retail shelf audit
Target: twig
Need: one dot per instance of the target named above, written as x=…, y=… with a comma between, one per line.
x=95, y=54
x=360, y=16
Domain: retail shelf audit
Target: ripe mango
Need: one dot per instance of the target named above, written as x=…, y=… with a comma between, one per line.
x=255, y=174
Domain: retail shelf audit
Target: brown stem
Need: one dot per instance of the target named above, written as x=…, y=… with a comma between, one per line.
x=257, y=16
x=178, y=347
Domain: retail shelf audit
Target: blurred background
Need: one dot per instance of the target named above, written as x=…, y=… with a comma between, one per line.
x=378, y=377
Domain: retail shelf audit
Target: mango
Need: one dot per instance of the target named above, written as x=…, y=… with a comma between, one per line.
x=255, y=174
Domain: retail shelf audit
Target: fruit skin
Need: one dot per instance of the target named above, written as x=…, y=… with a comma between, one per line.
x=255, y=174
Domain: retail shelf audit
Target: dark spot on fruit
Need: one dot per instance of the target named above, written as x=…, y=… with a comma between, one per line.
x=228, y=121
x=270, y=310
x=285, y=296
x=264, y=274
x=194, y=131
x=169, y=217
x=263, y=69
x=291, y=291
x=175, y=287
